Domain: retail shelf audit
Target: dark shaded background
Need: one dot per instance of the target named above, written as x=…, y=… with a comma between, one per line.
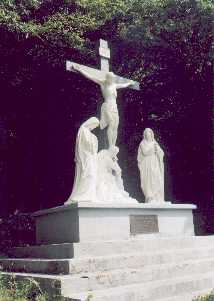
x=39, y=123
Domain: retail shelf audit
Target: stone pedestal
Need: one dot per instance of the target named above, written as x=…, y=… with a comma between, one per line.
x=89, y=221
x=111, y=252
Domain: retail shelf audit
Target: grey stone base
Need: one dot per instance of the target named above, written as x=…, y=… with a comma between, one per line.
x=114, y=252
x=89, y=221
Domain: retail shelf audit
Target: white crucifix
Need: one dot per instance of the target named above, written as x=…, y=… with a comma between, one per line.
x=109, y=84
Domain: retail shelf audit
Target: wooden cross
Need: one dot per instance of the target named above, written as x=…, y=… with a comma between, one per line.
x=100, y=74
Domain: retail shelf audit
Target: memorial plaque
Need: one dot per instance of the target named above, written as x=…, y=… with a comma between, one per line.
x=143, y=224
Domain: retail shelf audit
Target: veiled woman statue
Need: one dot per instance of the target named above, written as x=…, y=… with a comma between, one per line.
x=150, y=163
x=109, y=182
x=84, y=188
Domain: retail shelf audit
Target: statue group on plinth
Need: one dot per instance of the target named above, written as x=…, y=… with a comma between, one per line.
x=98, y=176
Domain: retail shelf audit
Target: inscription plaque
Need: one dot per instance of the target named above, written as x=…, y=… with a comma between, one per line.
x=143, y=224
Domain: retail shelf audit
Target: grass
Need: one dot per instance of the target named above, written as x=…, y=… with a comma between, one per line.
x=209, y=297
x=11, y=289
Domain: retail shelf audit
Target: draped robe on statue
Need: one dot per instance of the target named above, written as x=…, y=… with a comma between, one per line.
x=150, y=163
x=84, y=188
x=110, y=184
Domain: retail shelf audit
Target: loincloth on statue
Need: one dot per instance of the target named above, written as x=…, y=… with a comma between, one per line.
x=109, y=115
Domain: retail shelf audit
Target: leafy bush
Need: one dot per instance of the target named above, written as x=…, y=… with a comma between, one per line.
x=13, y=290
x=16, y=230
x=209, y=297
x=164, y=44
x=55, y=30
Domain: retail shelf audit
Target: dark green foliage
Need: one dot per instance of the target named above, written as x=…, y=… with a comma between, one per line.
x=50, y=31
x=16, y=230
x=15, y=288
x=164, y=44
x=209, y=297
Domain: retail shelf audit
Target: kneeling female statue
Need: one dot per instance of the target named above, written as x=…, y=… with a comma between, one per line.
x=109, y=181
x=150, y=163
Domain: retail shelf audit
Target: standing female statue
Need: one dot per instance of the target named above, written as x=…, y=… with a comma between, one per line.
x=84, y=188
x=150, y=163
x=109, y=110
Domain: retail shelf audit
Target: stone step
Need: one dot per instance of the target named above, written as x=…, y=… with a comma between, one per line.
x=136, y=260
x=86, y=249
x=40, y=266
x=122, y=277
x=103, y=263
x=188, y=297
x=55, y=251
x=172, y=289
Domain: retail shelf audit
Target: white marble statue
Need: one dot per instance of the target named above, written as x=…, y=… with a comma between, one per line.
x=110, y=184
x=108, y=179
x=109, y=110
x=151, y=166
x=84, y=188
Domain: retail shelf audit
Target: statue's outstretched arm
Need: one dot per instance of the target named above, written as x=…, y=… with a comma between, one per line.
x=87, y=74
x=125, y=85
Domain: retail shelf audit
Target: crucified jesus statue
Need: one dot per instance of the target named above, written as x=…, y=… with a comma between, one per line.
x=109, y=110
x=109, y=84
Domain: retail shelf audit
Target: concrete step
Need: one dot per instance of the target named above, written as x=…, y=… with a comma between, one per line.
x=152, y=291
x=104, y=280
x=188, y=297
x=172, y=289
x=40, y=266
x=103, y=263
x=86, y=249
x=55, y=251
